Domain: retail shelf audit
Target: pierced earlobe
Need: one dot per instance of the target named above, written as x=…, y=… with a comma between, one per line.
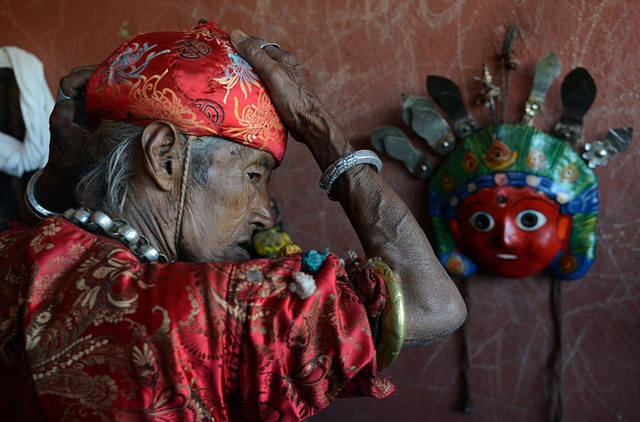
x=160, y=143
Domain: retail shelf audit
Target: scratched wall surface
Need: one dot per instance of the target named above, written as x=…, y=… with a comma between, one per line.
x=361, y=55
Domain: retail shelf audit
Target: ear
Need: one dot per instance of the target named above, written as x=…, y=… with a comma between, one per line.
x=564, y=227
x=161, y=151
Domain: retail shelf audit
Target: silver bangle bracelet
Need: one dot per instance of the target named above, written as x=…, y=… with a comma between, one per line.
x=346, y=162
x=37, y=210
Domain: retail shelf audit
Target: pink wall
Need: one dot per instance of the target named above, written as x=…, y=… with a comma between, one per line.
x=361, y=55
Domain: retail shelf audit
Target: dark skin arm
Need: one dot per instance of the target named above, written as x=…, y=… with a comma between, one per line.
x=69, y=131
x=384, y=224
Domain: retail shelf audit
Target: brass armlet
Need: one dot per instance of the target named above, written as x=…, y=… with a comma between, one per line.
x=393, y=318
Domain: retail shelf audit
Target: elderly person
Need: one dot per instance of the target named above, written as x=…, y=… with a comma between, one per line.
x=144, y=305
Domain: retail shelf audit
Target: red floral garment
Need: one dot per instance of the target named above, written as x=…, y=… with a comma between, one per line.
x=87, y=332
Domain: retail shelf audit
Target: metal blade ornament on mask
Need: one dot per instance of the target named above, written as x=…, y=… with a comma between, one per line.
x=421, y=115
x=448, y=97
x=616, y=141
x=547, y=70
x=393, y=141
x=578, y=92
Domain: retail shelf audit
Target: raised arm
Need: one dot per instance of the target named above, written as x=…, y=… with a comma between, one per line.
x=383, y=222
x=69, y=132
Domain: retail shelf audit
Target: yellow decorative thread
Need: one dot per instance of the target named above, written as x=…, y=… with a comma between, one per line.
x=393, y=318
x=288, y=250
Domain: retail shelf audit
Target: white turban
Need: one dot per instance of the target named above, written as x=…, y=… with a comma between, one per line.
x=36, y=104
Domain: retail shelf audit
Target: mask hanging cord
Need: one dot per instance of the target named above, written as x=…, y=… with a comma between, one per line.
x=466, y=340
x=556, y=306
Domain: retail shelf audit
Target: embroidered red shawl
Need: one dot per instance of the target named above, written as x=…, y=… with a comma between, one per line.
x=87, y=332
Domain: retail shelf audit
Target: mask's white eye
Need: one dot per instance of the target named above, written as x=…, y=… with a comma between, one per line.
x=482, y=221
x=530, y=220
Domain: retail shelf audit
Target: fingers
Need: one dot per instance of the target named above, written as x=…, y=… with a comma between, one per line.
x=279, y=55
x=63, y=111
x=276, y=67
x=249, y=49
x=72, y=85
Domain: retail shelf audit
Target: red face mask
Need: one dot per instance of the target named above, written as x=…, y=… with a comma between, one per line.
x=512, y=232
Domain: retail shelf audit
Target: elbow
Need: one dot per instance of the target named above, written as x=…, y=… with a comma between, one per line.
x=434, y=321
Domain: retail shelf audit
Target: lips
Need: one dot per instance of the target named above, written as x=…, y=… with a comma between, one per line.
x=242, y=250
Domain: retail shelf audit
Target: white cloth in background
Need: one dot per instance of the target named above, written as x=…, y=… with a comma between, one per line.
x=36, y=104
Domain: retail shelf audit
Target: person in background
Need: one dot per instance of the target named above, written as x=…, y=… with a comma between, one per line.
x=141, y=303
x=25, y=106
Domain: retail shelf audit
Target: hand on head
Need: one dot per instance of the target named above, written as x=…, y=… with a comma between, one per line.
x=300, y=108
x=69, y=132
x=295, y=100
x=68, y=123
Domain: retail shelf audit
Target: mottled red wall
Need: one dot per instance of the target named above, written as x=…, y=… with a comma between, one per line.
x=361, y=55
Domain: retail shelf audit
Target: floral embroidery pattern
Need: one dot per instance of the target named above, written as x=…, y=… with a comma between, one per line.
x=126, y=65
x=260, y=125
x=109, y=338
x=238, y=73
x=147, y=100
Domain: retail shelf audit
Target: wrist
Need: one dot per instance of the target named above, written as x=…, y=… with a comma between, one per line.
x=325, y=139
x=33, y=205
x=345, y=163
x=53, y=190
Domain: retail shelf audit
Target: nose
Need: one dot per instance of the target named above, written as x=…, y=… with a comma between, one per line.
x=261, y=215
x=509, y=237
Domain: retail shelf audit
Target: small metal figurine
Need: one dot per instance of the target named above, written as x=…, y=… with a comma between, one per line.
x=489, y=93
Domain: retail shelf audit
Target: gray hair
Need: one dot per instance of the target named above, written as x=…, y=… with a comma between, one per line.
x=107, y=180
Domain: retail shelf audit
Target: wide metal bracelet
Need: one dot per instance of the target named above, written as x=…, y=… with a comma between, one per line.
x=37, y=210
x=346, y=162
x=393, y=318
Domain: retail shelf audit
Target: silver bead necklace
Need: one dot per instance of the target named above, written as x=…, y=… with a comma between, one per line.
x=97, y=221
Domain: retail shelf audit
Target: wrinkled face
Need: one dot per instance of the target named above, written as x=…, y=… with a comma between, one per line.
x=221, y=216
x=513, y=232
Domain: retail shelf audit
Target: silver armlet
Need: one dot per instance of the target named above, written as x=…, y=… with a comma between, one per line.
x=37, y=210
x=346, y=162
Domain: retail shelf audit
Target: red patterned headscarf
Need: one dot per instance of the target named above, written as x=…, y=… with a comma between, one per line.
x=194, y=79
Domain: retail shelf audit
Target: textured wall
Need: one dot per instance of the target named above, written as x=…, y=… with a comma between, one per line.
x=361, y=55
